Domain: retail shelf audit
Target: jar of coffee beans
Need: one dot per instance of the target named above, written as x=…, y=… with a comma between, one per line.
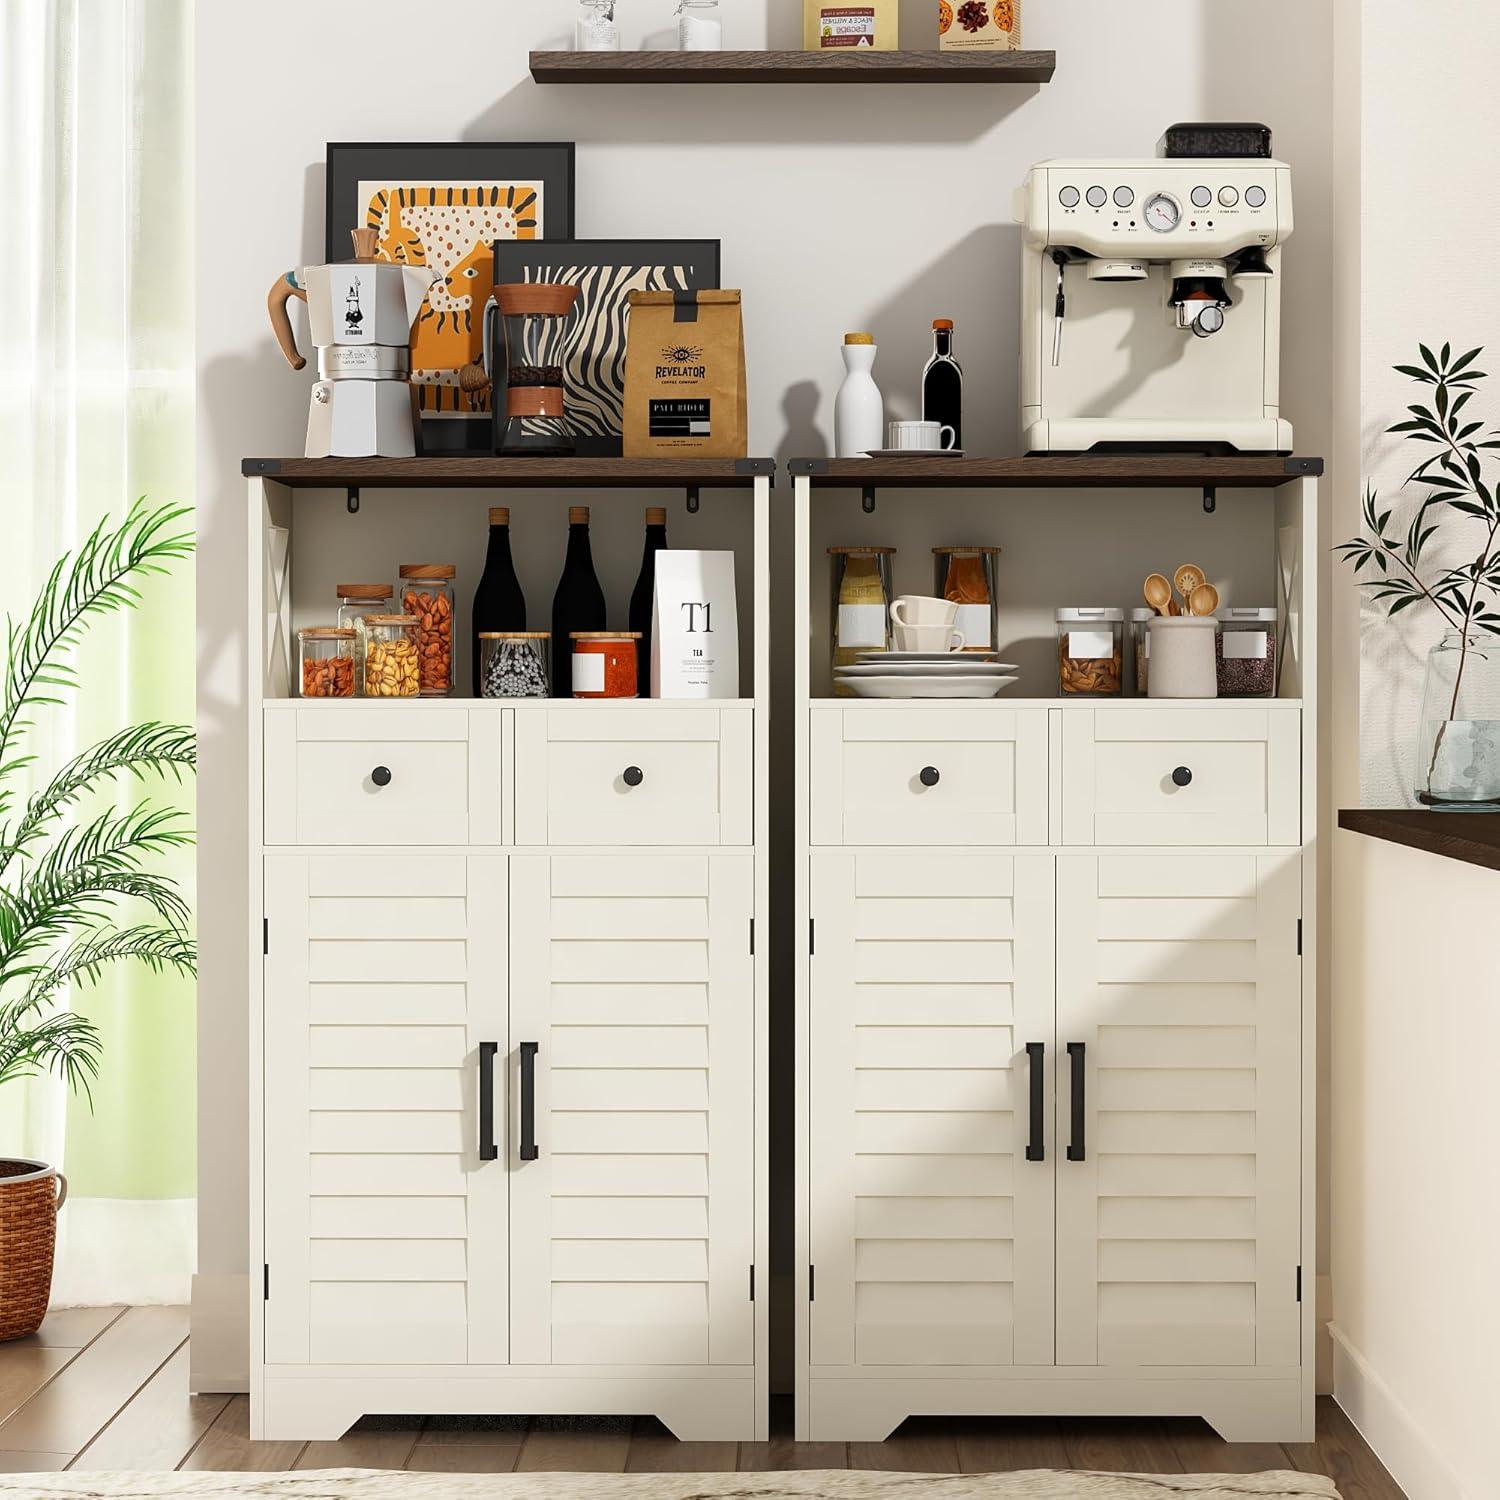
x=1090, y=652
x=1246, y=653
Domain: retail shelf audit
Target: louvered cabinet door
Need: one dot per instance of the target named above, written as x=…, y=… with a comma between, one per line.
x=931, y=1223
x=385, y=1235
x=632, y=1224
x=1179, y=1141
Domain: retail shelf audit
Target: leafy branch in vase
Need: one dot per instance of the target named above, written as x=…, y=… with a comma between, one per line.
x=1392, y=567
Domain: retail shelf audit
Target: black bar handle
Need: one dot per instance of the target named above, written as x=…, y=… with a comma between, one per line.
x=488, y=1149
x=1076, y=1059
x=529, y=1051
x=1036, y=1057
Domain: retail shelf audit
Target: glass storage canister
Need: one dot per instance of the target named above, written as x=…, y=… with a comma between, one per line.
x=604, y=664
x=427, y=593
x=1246, y=653
x=389, y=661
x=861, y=605
x=1090, y=652
x=1140, y=649
x=698, y=26
x=597, y=30
x=359, y=599
x=965, y=576
x=515, y=664
x=326, y=660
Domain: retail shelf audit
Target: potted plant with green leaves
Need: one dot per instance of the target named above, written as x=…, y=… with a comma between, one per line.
x=80, y=883
x=1457, y=513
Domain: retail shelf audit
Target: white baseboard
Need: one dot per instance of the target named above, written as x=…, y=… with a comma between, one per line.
x=219, y=1351
x=1388, y=1428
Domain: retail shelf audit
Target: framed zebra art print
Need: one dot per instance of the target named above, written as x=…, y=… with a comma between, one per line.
x=605, y=272
x=445, y=204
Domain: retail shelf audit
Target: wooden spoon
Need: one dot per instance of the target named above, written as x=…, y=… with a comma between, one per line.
x=1187, y=578
x=1174, y=608
x=1157, y=592
x=1204, y=599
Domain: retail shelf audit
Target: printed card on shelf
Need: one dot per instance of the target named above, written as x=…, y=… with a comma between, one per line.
x=695, y=639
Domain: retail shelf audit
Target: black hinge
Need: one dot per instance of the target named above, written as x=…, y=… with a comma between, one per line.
x=265, y=935
x=812, y=946
x=1299, y=1283
x=752, y=937
x=265, y=1283
x=1299, y=937
x=752, y=1283
x=812, y=1296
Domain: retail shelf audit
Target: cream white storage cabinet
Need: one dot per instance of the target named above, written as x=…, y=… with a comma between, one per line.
x=1055, y=1023
x=507, y=1037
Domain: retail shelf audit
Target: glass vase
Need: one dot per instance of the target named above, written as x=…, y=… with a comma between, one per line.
x=1458, y=745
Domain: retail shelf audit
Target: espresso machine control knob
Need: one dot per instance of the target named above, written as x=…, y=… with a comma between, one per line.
x=1209, y=320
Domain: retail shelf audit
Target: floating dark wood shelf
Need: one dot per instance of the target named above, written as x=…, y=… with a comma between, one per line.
x=1086, y=471
x=846, y=65
x=1473, y=838
x=511, y=473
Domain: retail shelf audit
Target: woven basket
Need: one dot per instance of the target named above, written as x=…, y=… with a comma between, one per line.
x=30, y=1195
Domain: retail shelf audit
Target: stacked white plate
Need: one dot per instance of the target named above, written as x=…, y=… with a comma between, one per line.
x=927, y=674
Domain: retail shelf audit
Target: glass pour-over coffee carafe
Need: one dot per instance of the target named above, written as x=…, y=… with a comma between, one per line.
x=537, y=320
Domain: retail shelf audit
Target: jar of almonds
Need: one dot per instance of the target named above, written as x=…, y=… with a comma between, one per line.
x=326, y=655
x=1090, y=652
x=391, y=661
x=426, y=591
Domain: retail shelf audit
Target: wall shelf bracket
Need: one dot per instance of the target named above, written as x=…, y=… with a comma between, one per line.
x=351, y=499
x=1210, y=499
x=867, y=500
x=693, y=500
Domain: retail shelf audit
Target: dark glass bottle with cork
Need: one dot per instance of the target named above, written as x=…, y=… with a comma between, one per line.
x=943, y=383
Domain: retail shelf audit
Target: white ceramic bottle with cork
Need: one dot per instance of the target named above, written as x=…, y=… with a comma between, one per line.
x=859, y=410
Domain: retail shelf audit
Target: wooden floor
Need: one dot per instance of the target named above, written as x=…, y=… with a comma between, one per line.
x=106, y=1388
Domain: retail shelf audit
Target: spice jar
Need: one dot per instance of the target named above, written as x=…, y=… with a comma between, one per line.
x=389, y=660
x=604, y=663
x=1245, y=655
x=1140, y=642
x=966, y=576
x=427, y=594
x=861, y=605
x=514, y=664
x=326, y=658
x=1089, y=652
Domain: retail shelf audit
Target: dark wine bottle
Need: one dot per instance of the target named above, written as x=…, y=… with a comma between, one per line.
x=643, y=598
x=578, y=603
x=943, y=383
x=499, y=603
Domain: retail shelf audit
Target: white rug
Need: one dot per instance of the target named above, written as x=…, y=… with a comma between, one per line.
x=365, y=1484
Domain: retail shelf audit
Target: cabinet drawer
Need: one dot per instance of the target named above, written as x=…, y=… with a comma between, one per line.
x=322, y=785
x=577, y=781
x=1183, y=776
x=868, y=770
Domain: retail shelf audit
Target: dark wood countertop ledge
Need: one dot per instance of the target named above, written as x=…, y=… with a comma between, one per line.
x=1473, y=838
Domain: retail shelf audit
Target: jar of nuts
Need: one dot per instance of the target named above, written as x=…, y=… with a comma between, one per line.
x=426, y=591
x=326, y=654
x=388, y=656
x=359, y=599
x=1090, y=652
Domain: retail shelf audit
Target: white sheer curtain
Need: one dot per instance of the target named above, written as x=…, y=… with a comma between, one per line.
x=95, y=409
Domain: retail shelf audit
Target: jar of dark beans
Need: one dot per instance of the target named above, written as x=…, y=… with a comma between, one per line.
x=514, y=664
x=1246, y=653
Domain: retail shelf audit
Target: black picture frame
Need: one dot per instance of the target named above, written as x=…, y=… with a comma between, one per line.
x=595, y=377
x=452, y=167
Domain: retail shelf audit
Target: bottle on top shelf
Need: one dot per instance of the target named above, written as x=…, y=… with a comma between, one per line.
x=643, y=599
x=578, y=603
x=499, y=604
x=858, y=410
x=943, y=383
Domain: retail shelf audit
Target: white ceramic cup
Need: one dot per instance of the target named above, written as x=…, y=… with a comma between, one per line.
x=920, y=437
x=922, y=609
x=927, y=638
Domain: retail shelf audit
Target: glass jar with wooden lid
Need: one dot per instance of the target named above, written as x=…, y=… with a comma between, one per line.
x=861, y=599
x=389, y=663
x=965, y=576
x=359, y=599
x=426, y=592
x=515, y=663
x=604, y=663
x=325, y=655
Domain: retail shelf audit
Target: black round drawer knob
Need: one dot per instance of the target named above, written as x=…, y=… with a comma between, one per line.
x=633, y=776
x=1182, y=776
x=381, y=775
x=929, y=776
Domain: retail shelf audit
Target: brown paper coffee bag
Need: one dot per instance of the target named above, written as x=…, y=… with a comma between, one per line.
x=685, y=376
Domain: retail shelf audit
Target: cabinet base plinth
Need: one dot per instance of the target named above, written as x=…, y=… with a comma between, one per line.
x=305, y=1406
x=1262, y=1409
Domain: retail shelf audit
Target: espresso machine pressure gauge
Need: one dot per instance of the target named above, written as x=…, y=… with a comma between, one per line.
x=1163, y=213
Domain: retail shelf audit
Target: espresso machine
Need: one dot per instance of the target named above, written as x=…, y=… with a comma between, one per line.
x=360, y=314
x=1151, y=313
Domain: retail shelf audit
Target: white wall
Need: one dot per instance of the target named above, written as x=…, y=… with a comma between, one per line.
x=873, y=208
x=1415, y=1213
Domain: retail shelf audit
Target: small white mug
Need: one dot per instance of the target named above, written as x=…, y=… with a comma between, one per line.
x=921, y=437
x=922, y=609
x=928, y=638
